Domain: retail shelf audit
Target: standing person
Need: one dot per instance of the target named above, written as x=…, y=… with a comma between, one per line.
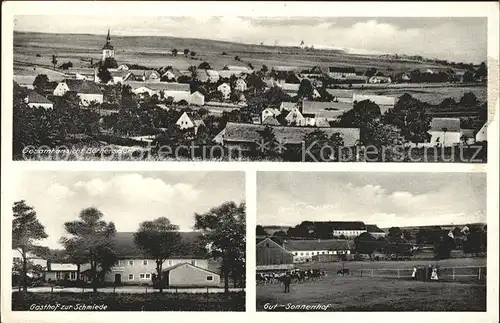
x=287, y=280
x=414, y=273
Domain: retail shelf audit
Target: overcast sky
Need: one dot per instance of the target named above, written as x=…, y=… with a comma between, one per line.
x=127, y=199
x=384, y=199
x=451, y=38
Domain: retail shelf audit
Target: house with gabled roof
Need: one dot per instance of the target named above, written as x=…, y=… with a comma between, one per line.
x=87, y=91
x=225, y=89
x=244, y=136
x=481, y=135
x=383, y=101
x=305, y=250
x=270, y=121
x=295, y=117
x=35, y=100
x=445, y=132
x=269, y=112
x=190, y=121
x=272, y=256
x=375, y=231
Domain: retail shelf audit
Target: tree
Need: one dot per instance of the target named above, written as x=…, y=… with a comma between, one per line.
x=204, y=66
x=264, y=69
x=26, y=231
x=237, y=58
x=40, y=83
x=365, y=243
x=279, y=237
x=186, y=52
x=260, y=231
x=54, y=61
x=75, y=255
x=160, y=240
x=193, y=54
x=268, y=143
x=322, y=147
x=306, y=89
x=469, y=99
x=409, y=115
x=250, y=66
x=395, y=234
x=104, y=75
x=92, y=238
x=482, y=71
x=174, y=52
x=66, y=65
x=224, y=230
x=443, y=246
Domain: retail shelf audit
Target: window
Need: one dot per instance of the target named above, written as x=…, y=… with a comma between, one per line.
x=301, y=253
x=193, y=262
x=210, y=278
x=131, y=262
x=130, y=276
x=148, y=276
x=58, y=275
x=145, y=262
x=119, y=263
x=142, y=276
x=72, y=275
x=296, y=253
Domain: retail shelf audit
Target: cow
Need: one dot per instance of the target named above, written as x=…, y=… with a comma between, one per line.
x=343, y=271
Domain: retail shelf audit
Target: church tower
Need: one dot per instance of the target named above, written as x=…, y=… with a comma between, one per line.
x=108, y=50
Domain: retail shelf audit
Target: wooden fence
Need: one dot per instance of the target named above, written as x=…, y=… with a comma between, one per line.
x=464, y=273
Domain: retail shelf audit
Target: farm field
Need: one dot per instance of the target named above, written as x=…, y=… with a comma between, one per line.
x=351, y=293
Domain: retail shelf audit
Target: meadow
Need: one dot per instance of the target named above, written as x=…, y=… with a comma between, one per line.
x=351, y=293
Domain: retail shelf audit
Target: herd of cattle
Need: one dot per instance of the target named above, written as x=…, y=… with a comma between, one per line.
x=296, y=275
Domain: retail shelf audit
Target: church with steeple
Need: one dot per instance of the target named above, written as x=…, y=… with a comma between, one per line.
x=108, y=54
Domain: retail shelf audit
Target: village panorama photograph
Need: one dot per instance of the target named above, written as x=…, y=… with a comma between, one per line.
x=368, y=242
x=152, y=241
x=235, y=88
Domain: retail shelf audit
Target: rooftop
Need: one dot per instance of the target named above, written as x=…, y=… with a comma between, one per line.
x=83, y=86
x=450, y=124
x=310, y=245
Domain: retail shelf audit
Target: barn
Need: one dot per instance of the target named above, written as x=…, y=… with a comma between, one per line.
x=187, y=275
x=271, y=256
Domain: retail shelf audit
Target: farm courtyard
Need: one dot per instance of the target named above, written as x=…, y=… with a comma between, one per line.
x=382, y=290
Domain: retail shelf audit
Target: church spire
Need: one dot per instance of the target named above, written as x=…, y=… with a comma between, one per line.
x=108, y=38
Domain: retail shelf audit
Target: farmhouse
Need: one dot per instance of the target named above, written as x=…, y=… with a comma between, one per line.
x=325, y=110
x=341, y=72
x=177, y=91
x=35, y=100
x=271, y=121
x=304, y=250
x=225, y=89
x=244, y=136
x=444, y=132
x=384, y=102
x=190, y=121
x=269, y=112
x=87, y=91
x=134, y=267
x=142, y=76
x=271, y=256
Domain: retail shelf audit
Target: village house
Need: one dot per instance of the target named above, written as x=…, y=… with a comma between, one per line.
x=176, y=91
x=240, y=85
x=142, y=76
x=324, y=110
x=445, y=132
x=226, y=74
x=88, y=74
x=123, y=67
x=295, y=117
x=225, y=89
x=134, y=267
x=57, y=272
x=31, y=257
x=288, y=106
x=336, y=72
x=190, y=121
x=244, y=136
x=243, y=69
x=379, y=80
x=269, y=112
x=87, y=91
x=305, y=250
x=35, y=100
x=384, y=102
x=172, y=74
x=272, y=256
x=205, y=76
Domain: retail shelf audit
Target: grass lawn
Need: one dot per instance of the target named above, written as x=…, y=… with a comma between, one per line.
x=234, y=301
x=377, y=294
